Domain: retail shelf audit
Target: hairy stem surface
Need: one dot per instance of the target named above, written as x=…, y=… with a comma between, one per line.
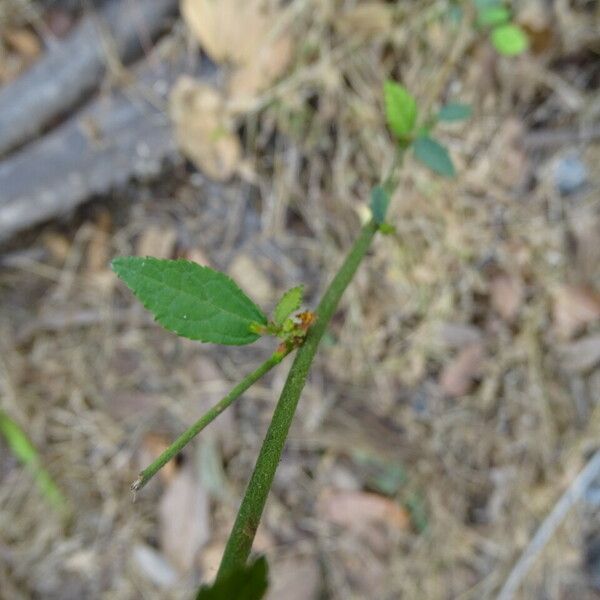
x=249, y=514
x=207, y=418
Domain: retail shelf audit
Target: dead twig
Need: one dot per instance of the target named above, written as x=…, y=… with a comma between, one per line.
x=72, y=69
x=549, y=526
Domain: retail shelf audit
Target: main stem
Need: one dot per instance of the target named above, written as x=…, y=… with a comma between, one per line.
x=210, y=415
x=250, y=511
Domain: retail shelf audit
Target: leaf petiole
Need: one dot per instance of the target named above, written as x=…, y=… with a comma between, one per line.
x=208, y=417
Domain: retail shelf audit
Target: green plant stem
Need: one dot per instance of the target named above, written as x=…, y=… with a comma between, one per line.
x=24, y=450
x=240, y=541
x=208, y=417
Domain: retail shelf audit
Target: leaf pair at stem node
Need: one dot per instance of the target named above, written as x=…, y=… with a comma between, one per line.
x=200, y=303
x=402, y=118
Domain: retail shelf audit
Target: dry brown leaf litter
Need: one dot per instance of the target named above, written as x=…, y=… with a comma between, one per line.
x=484, y=468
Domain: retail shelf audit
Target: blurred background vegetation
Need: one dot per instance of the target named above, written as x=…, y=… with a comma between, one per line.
x=455, y=399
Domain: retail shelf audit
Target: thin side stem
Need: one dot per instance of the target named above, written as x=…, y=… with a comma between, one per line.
x=208, y=417
x=240, y=541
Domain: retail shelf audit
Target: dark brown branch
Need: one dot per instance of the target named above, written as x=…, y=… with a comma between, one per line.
x=73, y=69
x=120, y=136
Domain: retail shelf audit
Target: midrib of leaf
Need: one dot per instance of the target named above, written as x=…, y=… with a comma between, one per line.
x=198, y=297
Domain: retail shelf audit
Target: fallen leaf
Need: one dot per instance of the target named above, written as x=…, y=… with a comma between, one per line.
x=575, y=306
x=184, y=520
x=295, y=578
x=257, y=76
x=356, y=510
x=23, y=41
x=203, y=129
x=153, y=566
x=582, y=355
x=506, y=294
x=157, y=241
x=246, y=34
x=459, y=374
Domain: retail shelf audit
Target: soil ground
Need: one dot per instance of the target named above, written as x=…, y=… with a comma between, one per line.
x=455, y=397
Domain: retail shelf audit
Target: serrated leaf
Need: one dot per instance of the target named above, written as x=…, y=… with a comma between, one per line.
x=246, y=583
x=289, y=302
x=509, y=40
x=400, y=109
x=454, y=111
x=494, y=15
x=190, y=300
x=435, y=156
x=380, y=200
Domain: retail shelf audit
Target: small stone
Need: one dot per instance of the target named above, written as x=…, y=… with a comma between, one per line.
x=570, y=174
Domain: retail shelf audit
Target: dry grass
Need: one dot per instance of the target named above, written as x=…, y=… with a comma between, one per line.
x=89, y=377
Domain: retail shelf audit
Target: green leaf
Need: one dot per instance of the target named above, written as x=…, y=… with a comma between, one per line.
x=190, y=300
x=509, y=40
x=290, y=301
x=455, y=111
x=247, y=583
x=23, y=449
x=485, y=4
x=435, y=156
x=400, y=109
x=494, y=15
x=380, y=200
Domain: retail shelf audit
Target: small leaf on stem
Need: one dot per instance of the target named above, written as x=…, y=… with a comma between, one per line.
x=190, y=300
x=433, y=155
x=400, y=109
x=380, y=201
x=455, y=111
x=289, y=302
x=494, y=15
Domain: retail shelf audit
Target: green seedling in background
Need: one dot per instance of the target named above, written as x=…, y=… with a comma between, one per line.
x=23, y=449
x=202, y=304
x=400, y=110
x=496, y=19
x=454, y=111
x=507, y=37
x=402, y=117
